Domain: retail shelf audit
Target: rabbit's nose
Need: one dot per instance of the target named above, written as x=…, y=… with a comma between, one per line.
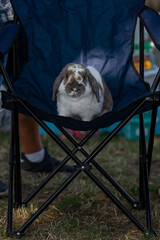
x=75, y=89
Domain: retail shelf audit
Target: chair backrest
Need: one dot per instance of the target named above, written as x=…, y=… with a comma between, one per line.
x=93, y=32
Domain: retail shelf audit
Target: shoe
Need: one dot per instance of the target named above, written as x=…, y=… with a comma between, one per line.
x=3, y=189
x=48, y=164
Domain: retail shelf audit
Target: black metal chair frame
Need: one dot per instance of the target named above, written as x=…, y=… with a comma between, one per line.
x=145, y=156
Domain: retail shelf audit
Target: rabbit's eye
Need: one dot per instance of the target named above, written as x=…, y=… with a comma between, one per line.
x=67, y=75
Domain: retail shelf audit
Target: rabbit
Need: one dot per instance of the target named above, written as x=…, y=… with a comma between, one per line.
x=81, y=93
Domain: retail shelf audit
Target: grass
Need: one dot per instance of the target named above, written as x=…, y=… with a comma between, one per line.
x=82, y=211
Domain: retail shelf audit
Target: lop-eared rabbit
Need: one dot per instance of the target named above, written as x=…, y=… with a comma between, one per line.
x=81, y=93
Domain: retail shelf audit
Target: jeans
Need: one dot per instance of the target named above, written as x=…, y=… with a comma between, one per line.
x=5, y=116
x=4, y=62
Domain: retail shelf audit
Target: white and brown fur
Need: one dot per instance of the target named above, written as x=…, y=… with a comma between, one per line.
x=81, y=93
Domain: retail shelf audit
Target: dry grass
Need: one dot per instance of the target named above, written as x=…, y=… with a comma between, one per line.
x=82, y=211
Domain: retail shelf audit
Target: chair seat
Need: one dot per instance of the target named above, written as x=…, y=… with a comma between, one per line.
x=104, y=121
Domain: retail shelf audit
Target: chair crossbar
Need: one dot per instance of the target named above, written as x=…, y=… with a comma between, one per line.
x=47, y=203
x=64, y=185
x=51, y=175
x=144, y=188
x=97, y=166
x=151, y=137
x=79, y=147
x=117, y=202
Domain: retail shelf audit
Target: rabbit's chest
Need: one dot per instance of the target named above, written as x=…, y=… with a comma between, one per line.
x=79, y=105
x=85, y=108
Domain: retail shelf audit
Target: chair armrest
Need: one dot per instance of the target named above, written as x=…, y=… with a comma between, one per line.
x=8, y=33
x=151, y=21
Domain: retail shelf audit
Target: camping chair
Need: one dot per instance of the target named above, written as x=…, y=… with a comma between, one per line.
x=98, y=33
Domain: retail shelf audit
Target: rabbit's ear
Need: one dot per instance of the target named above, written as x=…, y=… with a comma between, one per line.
x=93, y=83
x=58, y=80
x=57, y=83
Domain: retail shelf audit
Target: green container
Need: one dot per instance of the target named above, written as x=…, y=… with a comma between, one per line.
x=131, y=130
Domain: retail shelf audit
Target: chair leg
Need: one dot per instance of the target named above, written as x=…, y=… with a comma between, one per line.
x=142, y=159
x=151, y=137
x=144, y=178
x=146, y=195
x=14, y=171
x=11, y=183
x=17, y=176
x=143, y=149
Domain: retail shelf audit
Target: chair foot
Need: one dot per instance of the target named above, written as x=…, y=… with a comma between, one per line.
x=10, y=233
x=19, y=234
x=14, y=234
x=152, y=233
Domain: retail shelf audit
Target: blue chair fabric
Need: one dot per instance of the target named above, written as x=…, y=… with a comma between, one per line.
x=91, y=32
x=151, y=20
x=8, y=33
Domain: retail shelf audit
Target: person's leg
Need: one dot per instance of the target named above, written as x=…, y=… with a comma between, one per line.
x=29, y=134
x=35, y=157
x=30, y=139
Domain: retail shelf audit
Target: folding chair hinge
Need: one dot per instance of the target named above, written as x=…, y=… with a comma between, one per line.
x=137, y=206
x=83, y=167
x=11, y=100
x=155, y=98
